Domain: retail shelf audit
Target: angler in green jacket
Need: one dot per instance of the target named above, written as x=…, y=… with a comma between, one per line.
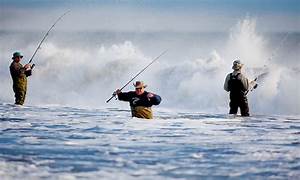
x=19, y=74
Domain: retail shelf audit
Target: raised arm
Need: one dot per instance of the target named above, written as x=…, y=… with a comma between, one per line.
x=124, y=96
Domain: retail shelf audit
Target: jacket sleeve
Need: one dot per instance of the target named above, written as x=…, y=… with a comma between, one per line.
x=155, y=100
x=124, y=96
x=226, y=83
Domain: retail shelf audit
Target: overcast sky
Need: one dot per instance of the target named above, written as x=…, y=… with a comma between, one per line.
x=149, y=15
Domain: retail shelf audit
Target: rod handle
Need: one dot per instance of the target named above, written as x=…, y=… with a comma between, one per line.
x=114, y=95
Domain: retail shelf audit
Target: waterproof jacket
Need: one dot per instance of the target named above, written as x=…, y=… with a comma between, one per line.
x=140, y=104
x=236, y=82
x=139, y=100
x=18, y=74
x=19, y=77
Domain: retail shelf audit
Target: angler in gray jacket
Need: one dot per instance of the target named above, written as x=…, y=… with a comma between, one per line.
x=238, y=85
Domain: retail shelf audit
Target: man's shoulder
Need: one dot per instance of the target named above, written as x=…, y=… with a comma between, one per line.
x=15, y=64
x=146, y=93
x=129, y=93
x=237, y=74
x=12, y=64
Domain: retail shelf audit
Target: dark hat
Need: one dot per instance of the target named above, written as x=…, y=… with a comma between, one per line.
x=237, y=62
x=139, y=84
x=17, y=54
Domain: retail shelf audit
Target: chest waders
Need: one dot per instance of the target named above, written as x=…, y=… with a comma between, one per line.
x=238, y=98
x=141, y=112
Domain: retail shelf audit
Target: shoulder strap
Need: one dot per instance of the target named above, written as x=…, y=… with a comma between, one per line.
x=234, y=76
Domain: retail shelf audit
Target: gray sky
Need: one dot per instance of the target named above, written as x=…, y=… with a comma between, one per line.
x=149, y=15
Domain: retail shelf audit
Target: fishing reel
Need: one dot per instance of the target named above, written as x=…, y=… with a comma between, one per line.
x=255, y=86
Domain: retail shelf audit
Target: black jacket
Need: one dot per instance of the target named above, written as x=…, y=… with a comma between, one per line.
x=139, y=100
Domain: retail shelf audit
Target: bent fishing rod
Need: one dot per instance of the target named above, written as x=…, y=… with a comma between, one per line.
x=254, y=84
x=39, y=45
x=114, y=94
x=273, y=54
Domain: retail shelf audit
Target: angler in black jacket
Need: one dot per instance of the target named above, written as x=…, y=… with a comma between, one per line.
x=140, y=100
x=237, y=84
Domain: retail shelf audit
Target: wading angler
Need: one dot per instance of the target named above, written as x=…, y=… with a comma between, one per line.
x=19, y=74
x=140, y=100
x=238, y=86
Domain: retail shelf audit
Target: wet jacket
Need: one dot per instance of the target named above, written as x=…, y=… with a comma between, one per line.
x=140, y=104
x=19, y=75
x=236, y=82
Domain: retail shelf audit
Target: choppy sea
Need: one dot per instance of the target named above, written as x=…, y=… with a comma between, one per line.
x=55, y=142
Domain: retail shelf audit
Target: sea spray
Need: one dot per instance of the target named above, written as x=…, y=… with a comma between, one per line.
x=84, y=72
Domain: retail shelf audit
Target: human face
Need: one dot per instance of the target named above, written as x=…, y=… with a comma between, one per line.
x=139, y=91
x=17, y=59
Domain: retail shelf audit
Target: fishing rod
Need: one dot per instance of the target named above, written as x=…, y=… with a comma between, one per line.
x=114, y=94
x=39, y=46
x=279, y=46
x=253, y=84
x=263, y=74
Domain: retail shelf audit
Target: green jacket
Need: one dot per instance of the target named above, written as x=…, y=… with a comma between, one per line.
x=17, y=72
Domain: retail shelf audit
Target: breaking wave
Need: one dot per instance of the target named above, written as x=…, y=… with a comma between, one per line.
x=85, y=73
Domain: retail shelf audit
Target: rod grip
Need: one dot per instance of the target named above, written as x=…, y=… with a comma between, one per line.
x=110, y=98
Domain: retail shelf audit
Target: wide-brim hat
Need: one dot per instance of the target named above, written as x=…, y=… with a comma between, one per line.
x=139, y=84
x=17, y=54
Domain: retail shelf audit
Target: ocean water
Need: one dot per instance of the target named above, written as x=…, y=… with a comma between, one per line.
x=59, y=142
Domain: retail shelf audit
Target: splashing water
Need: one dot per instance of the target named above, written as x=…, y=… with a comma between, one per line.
x=84, y=73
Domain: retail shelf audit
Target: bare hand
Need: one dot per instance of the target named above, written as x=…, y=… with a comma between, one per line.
x=149, y=95
x=27, y=66
x=117, y=92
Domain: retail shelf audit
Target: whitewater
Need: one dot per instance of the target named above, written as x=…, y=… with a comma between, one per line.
x=67, y=131
x=56, y=142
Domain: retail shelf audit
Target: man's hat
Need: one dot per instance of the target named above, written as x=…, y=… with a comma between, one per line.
x=237, y=62
x=17, y=54
x=237, y=65
x=139, y=84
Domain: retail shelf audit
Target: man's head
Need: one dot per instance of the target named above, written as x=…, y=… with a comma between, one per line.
x=139, y=87
x=237, y=65
x=17, y=56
